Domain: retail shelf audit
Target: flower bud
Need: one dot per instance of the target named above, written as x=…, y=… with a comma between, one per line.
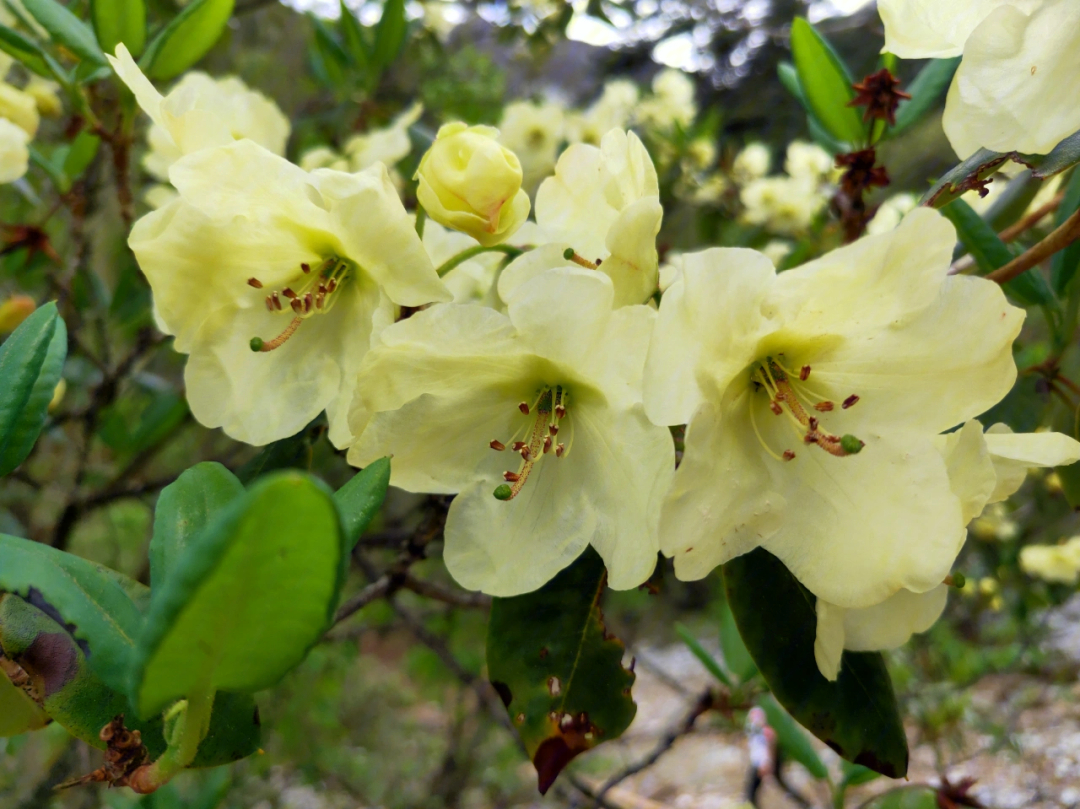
x=44, y=93
x=472, y=183
x=14, y=311
x=19, y=108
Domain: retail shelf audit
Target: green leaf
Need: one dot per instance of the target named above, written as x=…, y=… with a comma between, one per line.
x=990, y=253
x=1063, y=156
x=965, y=177
x=390, y=32
x=81, y=154
x=66, y=29
x=18, y=713
x=792, y=739
x=856, y=774
x=360, y=499
x=912, y=797
x=736, y=656
x=31, y=360
x=184, y=508
x=26, y=51
x=247, y=597
x=186, y=39
x=356, y=43
x=826, y=84
x=1065, y=264
x=790, y=79
x=89, y=599
x=75, y=697
x=293, y=452
x=703, y=656
x=117, y=21
x=857, y=715
x=557, y=669
x=141, y=420
x=334, y=58
x=925, y=91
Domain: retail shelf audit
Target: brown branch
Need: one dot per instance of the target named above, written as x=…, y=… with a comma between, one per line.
x=447, y=595
x=1013, y=232
x=379, y=588
x=703, y=704
x=1061, y=238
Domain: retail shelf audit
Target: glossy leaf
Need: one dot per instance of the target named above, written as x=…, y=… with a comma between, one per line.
x=247, y=597
x=31, y=361
x=990, y=253
x=789, y=77
x=792, y=739
x=1063, y=156
x=925, y=91
x=965, y=177
x=66, y=29
x=390, y=32
x=360, y=499
x=1065, y=264
x=355, y=39
x=72, y=695
x=117, y=21
x=857, y=715
x=25, y=51
x=293, y=452
x=558, y=671
x=736, y=656
x=88, y=599
x=186, y=39
x=184, y=508
x=826, y=84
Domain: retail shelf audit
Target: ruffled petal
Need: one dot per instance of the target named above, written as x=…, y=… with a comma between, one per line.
x=829, y=639
x=633, y=265
x=892, y=622
x=971, y=472
x=1013, y=454
x=933, y=29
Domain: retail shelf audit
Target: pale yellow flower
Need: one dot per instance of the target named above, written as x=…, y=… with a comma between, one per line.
x=890, y=212
x=45, y=95
x=471, y=281
x=604, y=205
x=534, y=419
x=934, y=29
x=274, y=281
x=785, y=205
x=672, y=101
x=1059, y=564
x=612, y=110
x=388, y=145
x=814, y=400
x=472, y=183
x=14, y=154
x=808, y=161
x=752, y=163
x=533, y=132
x=323, y=157
x=19, y=108
x=200, y=112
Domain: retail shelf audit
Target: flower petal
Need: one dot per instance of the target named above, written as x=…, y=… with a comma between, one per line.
x=1013, y=454
x=892, y=622
x=932, y=29
x=633, y=265
x=829, y=639
x=971, y=472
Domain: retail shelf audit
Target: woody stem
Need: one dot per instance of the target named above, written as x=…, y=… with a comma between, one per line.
x=1061, y=238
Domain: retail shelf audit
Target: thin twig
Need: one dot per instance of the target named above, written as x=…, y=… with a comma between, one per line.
x=1013, y=232
x=373, y=592
x=456, y=598
x=701, y=706
x=1061, y=238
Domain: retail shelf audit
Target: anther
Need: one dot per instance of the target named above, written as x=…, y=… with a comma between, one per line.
x=599, y=261
x=804, y=373
x=547, y=444
x=560, y=411
x=511, y=477
x=297, y=305
x=850, y=401
x=269, y=304
x=276, y=301
x=789, y=455
x=255, y=282
x=553, y=429
x=306, y=268
x=813, y=424
x=824, y=407
x=503, y=492
x=775, y=407
x=525, y=454
x=518, y=446
x=332, y=285
x=524, y=408
x=307, y=303
x=498, y=446
x=320, y=299
x=560, y=450
x=288, y=293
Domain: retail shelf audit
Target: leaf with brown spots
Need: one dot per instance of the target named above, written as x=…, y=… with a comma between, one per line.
x=558, y=670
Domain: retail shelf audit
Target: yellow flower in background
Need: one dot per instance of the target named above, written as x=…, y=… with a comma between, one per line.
x=14, y=154
x=323, y=157
x=17, y=308
x=19, y=108
x=603, y=208
x=533, y=132
x=612, y=110
x=814, y=400
x=388, y=145
x=472, y=183
x=672, y=102
x=45, y=95
x=274, y=281
x=1059, y=564
x=198, y=113
x=808, y=161
x=786, y=205
x=534, y=419
x=752, y=163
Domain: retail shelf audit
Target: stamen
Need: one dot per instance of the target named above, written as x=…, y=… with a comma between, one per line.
x=553, y=429
x=775, y=407
x=512, y=477
x=850, y=401
x=258, y=344
x=547, y=445
x=518, y=446
x=789, y=455
x=297, y=305
x=804, y=373
x=498, y=446
x=305, y=268
x=524, y=408
x=560, y=450
x=824, y=407
x=255, y=282
x=288, y=293
x=757, y=432
x=570, y=255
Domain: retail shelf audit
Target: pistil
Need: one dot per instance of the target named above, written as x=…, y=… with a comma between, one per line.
x=549, y=409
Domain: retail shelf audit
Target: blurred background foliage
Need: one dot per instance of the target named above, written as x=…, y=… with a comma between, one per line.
x=373, y=717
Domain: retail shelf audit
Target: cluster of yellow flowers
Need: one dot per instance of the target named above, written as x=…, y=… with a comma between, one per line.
x=830, y=409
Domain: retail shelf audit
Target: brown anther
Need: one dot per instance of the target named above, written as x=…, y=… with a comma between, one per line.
x=517, y=446
x=850, y=401
x=277, y=301
x=547, y=444
x=598, y=262
x=307, y=302
x=511, y=477
x=524, y=408
x=332, y=285
x=499, y=446
x=269, y=304
x=880, y=94
x=824, y=407
x=560, y=450
x=789, y=455
x=288, y=293
x=305, y=268
x=804, y=373
x=553, y=429
x=297, y=305
x=775, y=407
x=813, y=424
x=525, y=454
x=255, y=282
x=560, y=412
x=320, y=299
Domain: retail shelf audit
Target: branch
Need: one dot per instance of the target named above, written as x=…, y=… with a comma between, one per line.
x=447, y=595
x=1061, y=238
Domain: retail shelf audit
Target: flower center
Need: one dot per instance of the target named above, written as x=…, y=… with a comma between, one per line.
x=541, y=438
x=314, y=292
x=790, y=397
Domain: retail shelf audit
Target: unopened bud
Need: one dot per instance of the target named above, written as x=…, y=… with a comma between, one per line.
x=956, y=579
x=502, y=492
x=851, y=445
x=14, y=311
